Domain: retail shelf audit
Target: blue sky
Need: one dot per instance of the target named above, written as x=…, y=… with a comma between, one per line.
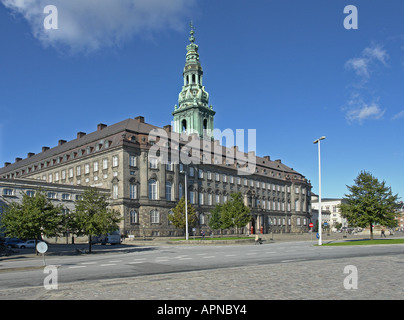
x=288, y=69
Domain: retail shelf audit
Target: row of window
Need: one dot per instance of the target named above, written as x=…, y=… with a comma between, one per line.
x=153, y=163
x=60, y=159
x=50, y=194
x=69, y=173
x=226, y=178
x=201, y=198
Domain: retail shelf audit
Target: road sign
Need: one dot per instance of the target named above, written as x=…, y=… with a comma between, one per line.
x=42, y=247
x=311, y=225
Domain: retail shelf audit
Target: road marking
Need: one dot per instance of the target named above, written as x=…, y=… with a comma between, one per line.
x=293, y=260
x=108, y=264
x=270, y=252
x=208, y=257
x=88, y=262
x=115, y=261
x=185, y=259
x=75, y=267
x=139, y=259
x=251, y=253
x=136, y=262
x=230, y=255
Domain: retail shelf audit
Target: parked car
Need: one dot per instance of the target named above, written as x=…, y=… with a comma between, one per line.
x=12, y=242
x=26, y=244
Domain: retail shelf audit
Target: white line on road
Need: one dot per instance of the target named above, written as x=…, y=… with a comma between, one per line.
x=135, y=262
x=108, y=264
x=75, y=267
x=209, y=257
x=88, y=262
x=293, y=260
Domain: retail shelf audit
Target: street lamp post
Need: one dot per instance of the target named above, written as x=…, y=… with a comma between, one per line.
x=319, y=191
x=186, y=204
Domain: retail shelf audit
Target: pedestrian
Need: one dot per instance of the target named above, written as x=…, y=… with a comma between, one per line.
x=383, y=234
x=203, y=235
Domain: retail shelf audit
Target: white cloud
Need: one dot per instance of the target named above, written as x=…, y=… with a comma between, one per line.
x=359, y=111
x=89, y=25
x=365, y=112
x=399, y=115
x=363, y=65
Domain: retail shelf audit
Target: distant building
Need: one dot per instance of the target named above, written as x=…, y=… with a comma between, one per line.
x=330, y=211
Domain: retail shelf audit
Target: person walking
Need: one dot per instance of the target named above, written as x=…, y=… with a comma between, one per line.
x=383, y=234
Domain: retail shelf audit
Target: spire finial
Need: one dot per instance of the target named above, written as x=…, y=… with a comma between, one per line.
x=192, y=38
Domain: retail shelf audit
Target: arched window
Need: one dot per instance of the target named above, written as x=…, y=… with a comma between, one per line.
x=154, y=216
x=169, y=191
x=133, y=191
x=184, y=125
x=205, y=124
x=193, y=79
x=152, y=189
x=134, y=218
x=180, y=191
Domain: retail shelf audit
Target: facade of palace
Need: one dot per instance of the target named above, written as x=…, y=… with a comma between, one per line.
x=140, y=164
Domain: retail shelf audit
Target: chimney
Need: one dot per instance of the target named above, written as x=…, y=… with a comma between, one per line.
x=267, y=158
x=17, y=160
x=61, y=142
x=80, y=134
x=6, y=164
x=45, y=149
x=30, y=154
x=101, y=126
x=278, y=160
x=167, y=128
x=140, y=119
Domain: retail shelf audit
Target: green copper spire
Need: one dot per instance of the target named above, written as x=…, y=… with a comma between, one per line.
x=192, y=32
x=193, y=114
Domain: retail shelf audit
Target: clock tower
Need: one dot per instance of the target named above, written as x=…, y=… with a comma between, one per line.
x=193, y=113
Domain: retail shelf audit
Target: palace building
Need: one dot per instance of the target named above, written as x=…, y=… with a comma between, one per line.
x=145, y=187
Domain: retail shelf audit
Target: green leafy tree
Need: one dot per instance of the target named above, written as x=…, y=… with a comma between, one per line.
x=215, y=222
x=369, y=202
x=34, y=217
x=92, y=216
x=178, y=216
x=233, y=213
x=239, y=212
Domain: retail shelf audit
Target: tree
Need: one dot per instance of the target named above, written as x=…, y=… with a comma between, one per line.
x=215, y=222
x=178, y=216
x=35, y=217
x=369, y=202
x=233, y=213
x=92, y=216
x=239, y=212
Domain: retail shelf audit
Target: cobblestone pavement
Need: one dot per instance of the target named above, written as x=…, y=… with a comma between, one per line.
x=378, y=278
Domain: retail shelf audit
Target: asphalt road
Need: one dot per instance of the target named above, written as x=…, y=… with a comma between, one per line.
x=130, y=261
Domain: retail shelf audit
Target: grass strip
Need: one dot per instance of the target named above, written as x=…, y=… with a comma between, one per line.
x=365, y=242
